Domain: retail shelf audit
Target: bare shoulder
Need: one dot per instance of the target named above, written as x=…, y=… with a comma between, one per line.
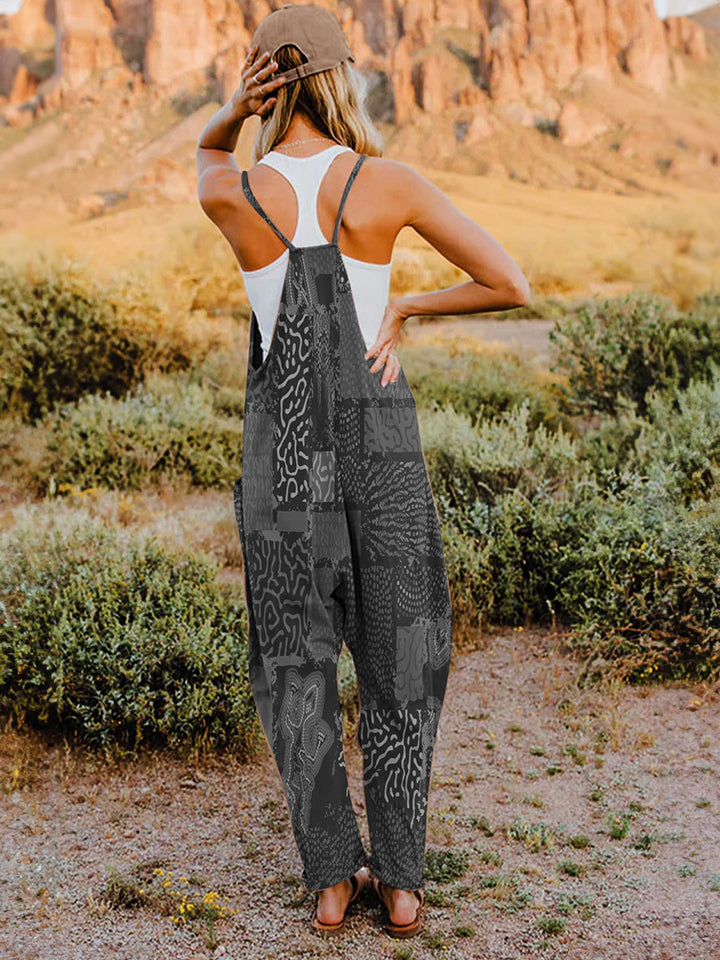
x=430, y=212
x=411, y=195
x=394, y=174
x=388, y=168
x=397, y=186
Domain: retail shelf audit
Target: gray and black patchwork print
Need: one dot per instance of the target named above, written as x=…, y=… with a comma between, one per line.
x=341, y=542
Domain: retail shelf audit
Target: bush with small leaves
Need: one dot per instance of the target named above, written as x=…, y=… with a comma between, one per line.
x=63, y=337
x=143, y=439
x=482, y=385
x=621, y=348
x=445, y=865
x=122, y=643
x=552, y=925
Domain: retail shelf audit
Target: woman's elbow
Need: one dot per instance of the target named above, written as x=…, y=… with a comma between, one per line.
x=518, y=291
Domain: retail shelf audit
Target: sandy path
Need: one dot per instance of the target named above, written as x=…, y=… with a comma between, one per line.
x=530, y=335
x=225, y=826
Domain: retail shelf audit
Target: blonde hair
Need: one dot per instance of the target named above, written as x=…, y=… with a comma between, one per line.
x=333, y=100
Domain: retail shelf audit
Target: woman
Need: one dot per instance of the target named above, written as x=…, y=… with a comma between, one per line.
x=339, y=528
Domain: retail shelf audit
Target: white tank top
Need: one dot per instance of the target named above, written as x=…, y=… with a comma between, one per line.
x=369, y=282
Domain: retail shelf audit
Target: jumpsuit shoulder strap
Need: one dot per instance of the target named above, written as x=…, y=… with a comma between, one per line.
x=351, y=178
x=251, y=197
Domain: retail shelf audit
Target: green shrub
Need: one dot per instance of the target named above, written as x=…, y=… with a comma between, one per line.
x=122, y=643
x=502, y=493
x=633, y=575
x=468, y=464
x=477, y=384
x=522, y=564
x=62, y=337
x=625, y=557
x=223, y=370
x=620, y=348
x=643, y=592
x=524, y=548
x=608, y=448
x=705, y=309
x=684, y=434
x=143, y=439
x=680, y=435
x=470, y=582
x=443, y=866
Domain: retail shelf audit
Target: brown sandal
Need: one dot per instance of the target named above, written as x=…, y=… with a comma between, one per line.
x=359, y=881
x=401, y=929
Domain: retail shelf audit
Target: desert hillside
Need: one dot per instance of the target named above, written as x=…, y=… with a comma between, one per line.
x=538, y=119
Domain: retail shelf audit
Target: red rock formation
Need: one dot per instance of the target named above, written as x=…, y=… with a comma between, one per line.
x=577, y=127
x=400, y=75
x=527, y=50
x=133, y=17
x=687, y=36
x=531, y=48
x=175, y=53
x=85, y=40
x=26, y=29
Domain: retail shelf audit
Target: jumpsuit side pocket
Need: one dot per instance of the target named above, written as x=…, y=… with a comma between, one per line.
x=238, y=503
x=237, y=500
x=257, y=675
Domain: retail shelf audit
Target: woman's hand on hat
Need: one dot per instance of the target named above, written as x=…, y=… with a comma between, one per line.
x=386, y=343
x=252, y=94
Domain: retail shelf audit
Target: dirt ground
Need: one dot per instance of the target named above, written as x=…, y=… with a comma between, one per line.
x=530, y=773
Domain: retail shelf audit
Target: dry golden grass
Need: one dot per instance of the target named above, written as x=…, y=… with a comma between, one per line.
x=202, y=521
x=566, y=242
x=569, y=242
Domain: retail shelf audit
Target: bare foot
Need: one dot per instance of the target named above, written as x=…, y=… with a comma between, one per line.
x=333, y=901
x=402, y=905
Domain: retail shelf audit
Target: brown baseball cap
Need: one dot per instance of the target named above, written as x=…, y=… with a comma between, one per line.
x=312, y=29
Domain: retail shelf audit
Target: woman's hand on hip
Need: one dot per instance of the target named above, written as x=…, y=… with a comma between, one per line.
x=386, y=343
x=250, y=96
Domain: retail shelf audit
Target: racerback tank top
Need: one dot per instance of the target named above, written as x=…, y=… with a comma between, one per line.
x=369, y=282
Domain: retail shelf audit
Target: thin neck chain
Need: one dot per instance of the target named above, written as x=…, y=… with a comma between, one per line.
x=293, y=143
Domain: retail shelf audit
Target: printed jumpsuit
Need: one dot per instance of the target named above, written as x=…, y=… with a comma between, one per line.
x=341, y=542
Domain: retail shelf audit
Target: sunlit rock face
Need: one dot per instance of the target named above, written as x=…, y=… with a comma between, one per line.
x=427, y=57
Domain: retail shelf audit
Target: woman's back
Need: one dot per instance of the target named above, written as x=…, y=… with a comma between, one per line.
x=387, y=196
x=369, y=281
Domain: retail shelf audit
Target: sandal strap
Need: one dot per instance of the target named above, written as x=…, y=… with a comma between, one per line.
x=355, y=888
x=333, y=926
x=420, y=894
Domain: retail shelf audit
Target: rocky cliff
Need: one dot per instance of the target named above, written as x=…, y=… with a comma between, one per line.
x=421, y=55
